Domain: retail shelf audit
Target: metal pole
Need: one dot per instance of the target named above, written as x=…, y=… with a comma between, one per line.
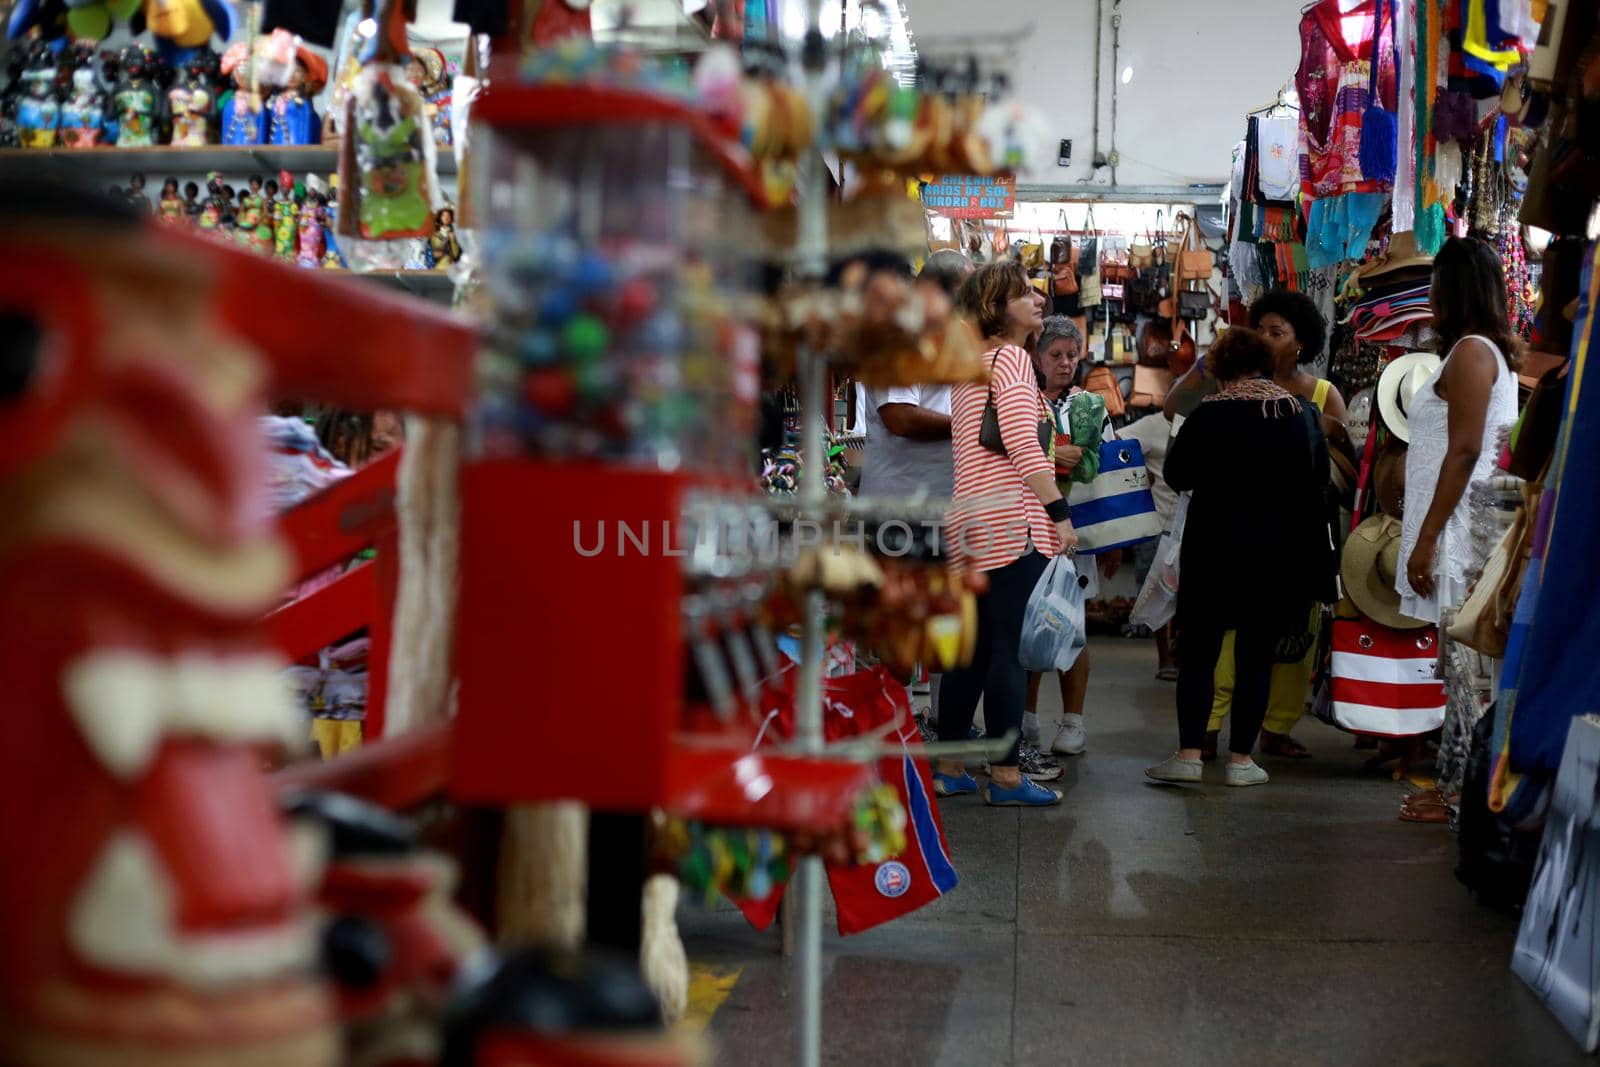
x=811, y=262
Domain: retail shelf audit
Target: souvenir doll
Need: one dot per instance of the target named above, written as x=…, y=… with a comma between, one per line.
x=333, y=257
x=285, y=224
x=386, y=178
x=39, y=109
x=191, y=200
x=430, y=74
x=443, y=245
x=170, y=207
x=312, y=246
x=83, y=114
x=211, y=216
x=134, y=102
x=244, y=119
x=253, y=197
x=136, y=195
x=291, y=119
x=252, y=224
x=192, y=103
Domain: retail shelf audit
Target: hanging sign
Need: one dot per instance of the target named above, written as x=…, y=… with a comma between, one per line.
x=968, y=196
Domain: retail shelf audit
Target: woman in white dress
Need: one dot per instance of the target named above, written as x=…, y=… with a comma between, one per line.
x=1455, y=420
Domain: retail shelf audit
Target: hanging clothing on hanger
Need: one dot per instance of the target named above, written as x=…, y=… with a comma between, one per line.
x=1277, y=156
x=1332, y=81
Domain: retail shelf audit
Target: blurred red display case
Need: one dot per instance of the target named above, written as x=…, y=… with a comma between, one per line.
x=570, y=664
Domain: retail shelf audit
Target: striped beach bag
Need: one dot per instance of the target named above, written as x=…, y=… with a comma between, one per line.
x=1116, y=509
x=1382, y=680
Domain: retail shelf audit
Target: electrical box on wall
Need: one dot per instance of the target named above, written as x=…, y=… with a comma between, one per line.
x=1064, y=155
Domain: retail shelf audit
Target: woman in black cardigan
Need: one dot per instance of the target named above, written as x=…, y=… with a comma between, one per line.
x=1256, y=547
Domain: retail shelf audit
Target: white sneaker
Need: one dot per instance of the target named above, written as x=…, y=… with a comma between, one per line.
x=1242, y=774
x=1071, y=739
x=1174, y=769
x=1030, y=727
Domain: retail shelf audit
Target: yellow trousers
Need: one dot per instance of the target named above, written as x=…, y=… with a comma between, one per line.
x=1291, y=686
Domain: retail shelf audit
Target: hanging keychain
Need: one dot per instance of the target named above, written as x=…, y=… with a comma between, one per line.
x=388, y=183
x=708, y=658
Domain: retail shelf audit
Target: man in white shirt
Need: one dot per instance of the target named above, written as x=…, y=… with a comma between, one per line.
x=908, y=427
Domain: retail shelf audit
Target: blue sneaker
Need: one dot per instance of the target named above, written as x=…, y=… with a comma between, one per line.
x=1028, y=794
x=954, y=785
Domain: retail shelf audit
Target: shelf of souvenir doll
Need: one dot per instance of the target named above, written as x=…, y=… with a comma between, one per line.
x=181, y=159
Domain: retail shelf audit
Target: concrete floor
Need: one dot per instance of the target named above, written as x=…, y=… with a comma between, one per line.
x=1296, y=923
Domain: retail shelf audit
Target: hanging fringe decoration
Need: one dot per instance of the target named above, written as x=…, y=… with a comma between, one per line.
x=1380, y=129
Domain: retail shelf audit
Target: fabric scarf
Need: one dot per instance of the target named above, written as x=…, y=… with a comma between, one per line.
x=1276, y=401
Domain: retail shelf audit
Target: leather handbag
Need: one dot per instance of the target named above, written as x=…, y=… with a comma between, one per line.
x=1150, y=387
x=1484, y=621
x=1103, y=383
x=989, y=428
x=1089, y=266
x=1063, y=272
x=1155, y=343
x=1195, y=264
x=1533, y=439
x=1142, y=254
x=1193, y=304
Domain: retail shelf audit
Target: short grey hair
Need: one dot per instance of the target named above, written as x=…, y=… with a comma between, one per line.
x=946, y=268
x=1059, y=328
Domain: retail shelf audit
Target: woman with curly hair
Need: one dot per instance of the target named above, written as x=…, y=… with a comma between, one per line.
x=1255, y=545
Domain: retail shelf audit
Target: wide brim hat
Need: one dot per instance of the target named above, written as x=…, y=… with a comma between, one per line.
x=1401, y=380
x=1370, y=561
x=1389, y=480
x=1401, y=254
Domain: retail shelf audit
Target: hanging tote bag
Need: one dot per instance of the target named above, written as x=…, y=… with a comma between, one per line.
x=1116, y=509
x=1089, y=265
x=1382, y=680
x=1195, y=262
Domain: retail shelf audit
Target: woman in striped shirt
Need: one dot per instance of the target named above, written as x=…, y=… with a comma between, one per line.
x=1007, y=519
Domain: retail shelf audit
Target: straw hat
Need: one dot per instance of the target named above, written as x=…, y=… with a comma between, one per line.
x=1389, y=480
x=1399, y=384
x=1368, y=568
x=1401, y=254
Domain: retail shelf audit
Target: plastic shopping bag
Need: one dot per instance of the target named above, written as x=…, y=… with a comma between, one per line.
x=1157, y=602
x=1053, y=627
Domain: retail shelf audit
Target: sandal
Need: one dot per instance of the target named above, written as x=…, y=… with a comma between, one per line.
x=1283, y=745
x=1166, y=674
x=1428, y=806
x=1208, y=751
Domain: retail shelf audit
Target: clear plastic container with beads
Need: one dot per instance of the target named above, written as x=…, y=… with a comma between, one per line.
x=616, y=240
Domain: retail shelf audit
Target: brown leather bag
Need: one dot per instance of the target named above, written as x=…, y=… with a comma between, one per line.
x=1195, y=263
x=1102, y=382
x=1064, y=278
x=1150, y=387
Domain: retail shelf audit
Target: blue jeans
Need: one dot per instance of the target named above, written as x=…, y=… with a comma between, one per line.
x=995, y=673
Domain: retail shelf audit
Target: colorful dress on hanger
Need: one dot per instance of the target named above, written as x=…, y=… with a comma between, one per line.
x=1333, y=82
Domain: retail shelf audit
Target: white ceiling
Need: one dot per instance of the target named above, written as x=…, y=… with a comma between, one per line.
x=1197, y=67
